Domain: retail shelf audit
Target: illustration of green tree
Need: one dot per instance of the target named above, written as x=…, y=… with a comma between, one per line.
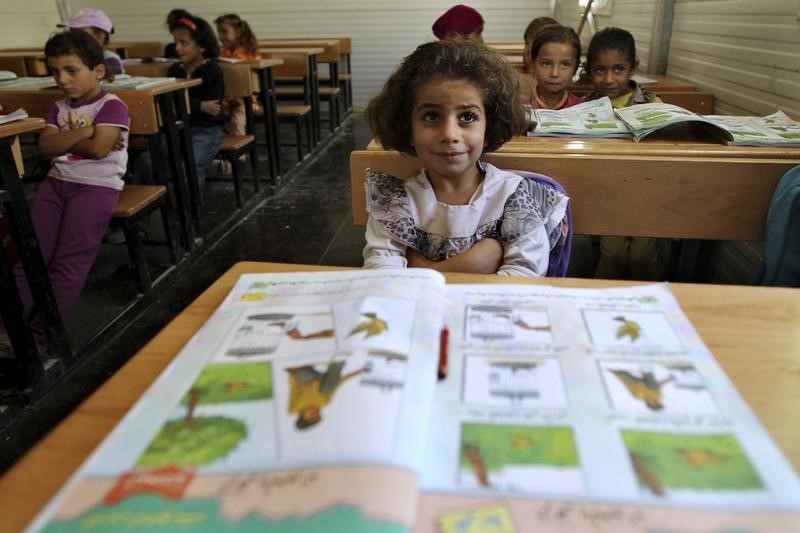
x=199, y=440
x=232, y=382
x=686, y=461
x=497, y=446
x=193, y=441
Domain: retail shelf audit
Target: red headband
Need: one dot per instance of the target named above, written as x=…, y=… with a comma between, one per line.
x=189, y=23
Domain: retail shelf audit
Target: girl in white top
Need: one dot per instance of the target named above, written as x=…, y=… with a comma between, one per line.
x=448, y=103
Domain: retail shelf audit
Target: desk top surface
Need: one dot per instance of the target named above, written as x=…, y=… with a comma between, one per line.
x=154, y=90
x=19, y=127
x=681, y=140
x=751, y=331
x=310, y=51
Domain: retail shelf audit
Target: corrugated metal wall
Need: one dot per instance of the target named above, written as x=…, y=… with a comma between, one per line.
x=746, y=52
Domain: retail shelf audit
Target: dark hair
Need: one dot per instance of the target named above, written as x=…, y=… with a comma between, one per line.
x=612, y=39
x=535, y=25
x=557, y=34
x=202, y=34
x=78, y=43
x=174, y=15
x=389, y=113
x=247, y=37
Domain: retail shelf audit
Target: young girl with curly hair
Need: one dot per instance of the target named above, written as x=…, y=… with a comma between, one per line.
x=448, y=103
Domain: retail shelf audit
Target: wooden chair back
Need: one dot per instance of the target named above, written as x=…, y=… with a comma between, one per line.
x=694, y=101
x=139, y=48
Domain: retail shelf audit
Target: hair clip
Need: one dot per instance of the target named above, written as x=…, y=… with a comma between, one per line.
x=188, y=23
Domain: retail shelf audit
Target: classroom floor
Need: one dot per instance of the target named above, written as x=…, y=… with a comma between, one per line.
x=307, y=221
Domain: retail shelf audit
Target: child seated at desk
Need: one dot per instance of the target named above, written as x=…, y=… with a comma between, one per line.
x=611, y=61
x=530, y=33
x=238, y=42
x=86, y=136
x=99, y=26
x=448, y=103
x=172, y=18
x=555, y=55
x=197, y=49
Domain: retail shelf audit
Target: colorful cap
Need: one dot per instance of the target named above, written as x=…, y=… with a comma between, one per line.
x=89, y=18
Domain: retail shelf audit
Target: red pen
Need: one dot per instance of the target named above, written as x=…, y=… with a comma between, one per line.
x=443, y=353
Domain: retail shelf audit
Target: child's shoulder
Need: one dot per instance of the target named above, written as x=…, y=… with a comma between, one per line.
x=383, y=180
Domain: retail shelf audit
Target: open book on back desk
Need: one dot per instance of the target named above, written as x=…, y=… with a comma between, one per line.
x=597, y=118
x=125, y=81
x=309, y=402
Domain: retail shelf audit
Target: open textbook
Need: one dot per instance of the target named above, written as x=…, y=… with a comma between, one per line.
x=309, y=402
x=125, y=81
x=19, y=114
x=597, y=118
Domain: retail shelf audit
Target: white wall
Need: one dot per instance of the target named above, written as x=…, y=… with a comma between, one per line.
x=26, y=23
x=383, y=31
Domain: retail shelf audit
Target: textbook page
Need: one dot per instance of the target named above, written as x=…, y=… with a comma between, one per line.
x=592, y=410
x=27, y=83
x=303, y=401
x=774, y=129
x=644, y=119
x=19, y=114
x=126, y=81
x=589, y=119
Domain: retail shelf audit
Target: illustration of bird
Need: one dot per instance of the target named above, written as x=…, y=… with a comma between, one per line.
x=697, y=458
x=520, y=441
x=645, y=388
x=373, y=326
x=628, y=328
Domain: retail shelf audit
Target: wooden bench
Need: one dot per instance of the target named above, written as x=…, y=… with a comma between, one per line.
x=135, y=204
x=329, y=89
x=673, y=197
x=298, y=65
x=239, y=84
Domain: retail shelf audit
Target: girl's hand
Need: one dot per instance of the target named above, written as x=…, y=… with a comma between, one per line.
x=485, y=256
x=119, y=144
x=210, y=107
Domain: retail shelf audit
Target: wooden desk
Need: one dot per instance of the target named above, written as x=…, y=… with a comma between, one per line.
x=310, y=82
x=33, y=59
x=750, y=330
x=29, y=369
x=153, y=110
x=138, y=49
x=678, y=196
x=263, y=77
x=681, y=140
